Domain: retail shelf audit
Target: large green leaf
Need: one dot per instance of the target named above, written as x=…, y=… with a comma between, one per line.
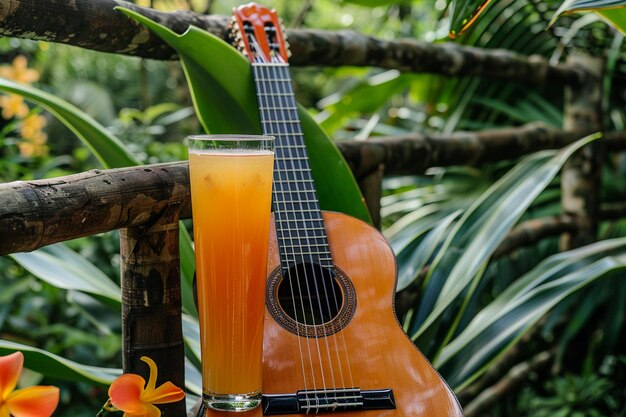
x=55, y=366
x=63, y=268
x=475, y=237
x=107, y=148
x=222, y=88
x=504, y=321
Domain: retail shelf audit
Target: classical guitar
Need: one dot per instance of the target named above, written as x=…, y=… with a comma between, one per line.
x=332, y=343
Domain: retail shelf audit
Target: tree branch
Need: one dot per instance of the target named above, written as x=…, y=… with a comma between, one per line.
x=414, y=154
x=513, y=379
x=93, y=24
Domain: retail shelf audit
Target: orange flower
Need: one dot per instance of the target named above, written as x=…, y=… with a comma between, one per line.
x=128, y=394
x=31, y=126
x=13, y=106
x=19, y=71
x=39, y=401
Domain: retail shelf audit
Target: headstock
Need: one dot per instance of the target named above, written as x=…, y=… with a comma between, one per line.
x=256, y=31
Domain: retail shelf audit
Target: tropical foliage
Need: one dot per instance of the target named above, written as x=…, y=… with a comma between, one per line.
x=474, y=315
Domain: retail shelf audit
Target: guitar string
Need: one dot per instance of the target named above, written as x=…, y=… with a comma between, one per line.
x=306, y=278
x=285, y=75
x=294, y=130
x=269, y=130
x=298, y=185
x=274, y=191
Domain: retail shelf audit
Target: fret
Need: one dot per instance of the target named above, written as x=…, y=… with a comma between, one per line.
x=292, y=146
x=318, y=236
x=315, y=229
x=281, y=121
x=286, y=135
x=310, y=248
x=269, y=64
x=283, y=188
x=281, y=108
x=321, y=252
x=300, y=201
x=274, y=115
x=324, y=264
x=315, y=232
x=293, y=158
x=300, y=169
x=282, y=100
x=277, y=80
x=299, y=210
x=297, y=224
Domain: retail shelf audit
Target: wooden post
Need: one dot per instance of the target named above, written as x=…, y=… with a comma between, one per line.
x=372, y=189
x=582, y=174
x=151, y=301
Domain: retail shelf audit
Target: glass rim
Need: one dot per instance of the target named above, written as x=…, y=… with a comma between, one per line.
x=230, y=137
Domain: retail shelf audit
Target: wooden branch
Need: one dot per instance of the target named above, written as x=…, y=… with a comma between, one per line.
x=532, y=231
x=93, y=24
x=414, y=154
x=151, y=301
x=38, y=213
x=513, y=379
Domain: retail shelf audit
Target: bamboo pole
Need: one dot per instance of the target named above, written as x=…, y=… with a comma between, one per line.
x=151, y=301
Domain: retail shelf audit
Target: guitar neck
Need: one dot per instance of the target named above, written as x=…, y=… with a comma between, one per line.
x=299, y=224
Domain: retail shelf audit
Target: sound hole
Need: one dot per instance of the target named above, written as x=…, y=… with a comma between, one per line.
x=322, y=316
x=310, y=294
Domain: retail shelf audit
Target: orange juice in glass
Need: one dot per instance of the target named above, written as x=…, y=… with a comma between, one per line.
x=231, y=188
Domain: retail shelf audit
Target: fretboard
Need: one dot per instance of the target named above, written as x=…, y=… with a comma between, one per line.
x=299, y=225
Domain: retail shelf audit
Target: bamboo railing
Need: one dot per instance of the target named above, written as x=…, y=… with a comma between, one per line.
x=147, y=202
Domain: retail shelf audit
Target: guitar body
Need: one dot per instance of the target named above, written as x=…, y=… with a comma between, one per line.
x=380, y=353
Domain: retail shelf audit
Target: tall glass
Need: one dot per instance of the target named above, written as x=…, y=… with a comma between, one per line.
x=231, y=184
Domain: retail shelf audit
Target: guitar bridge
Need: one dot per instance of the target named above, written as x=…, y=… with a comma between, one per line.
x=328, y=401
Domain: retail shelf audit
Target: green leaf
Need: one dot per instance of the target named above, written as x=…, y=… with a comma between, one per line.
x=478, y=233
x=107, y=148
x=410, y=268
x=55, y=366
x=61, y=267
x=611, y=10
x=505, y=320
x=366, y=96
x=222, y=88
x=464, y=14
x=614, y=17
